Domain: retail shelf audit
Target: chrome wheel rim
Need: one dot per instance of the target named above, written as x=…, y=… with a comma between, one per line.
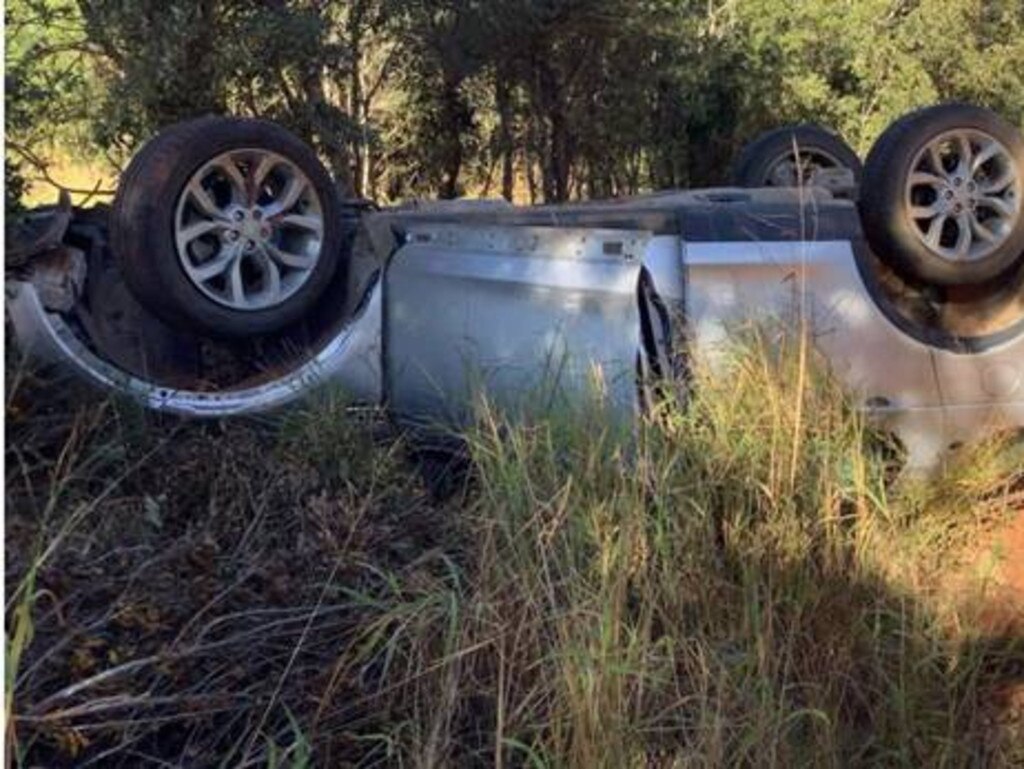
x=963, y=195
x=248, y=229
x=798, y=170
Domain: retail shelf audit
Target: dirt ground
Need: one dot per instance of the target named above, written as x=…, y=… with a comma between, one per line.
x=1002, y=613
x=1003, y=558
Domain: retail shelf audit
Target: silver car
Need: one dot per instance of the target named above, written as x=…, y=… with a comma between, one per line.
x=230, y=277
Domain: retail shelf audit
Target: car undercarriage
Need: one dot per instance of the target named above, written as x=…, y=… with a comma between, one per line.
x=432, y=304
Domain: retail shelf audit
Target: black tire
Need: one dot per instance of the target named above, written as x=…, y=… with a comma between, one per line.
x=144, y=214
x=754, y=165
x=896, y=236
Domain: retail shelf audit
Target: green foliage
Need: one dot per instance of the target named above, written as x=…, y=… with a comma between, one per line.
x=14, y=187
x=537, y=99
x=169, y=61
x=50, y=81
x=51, y=92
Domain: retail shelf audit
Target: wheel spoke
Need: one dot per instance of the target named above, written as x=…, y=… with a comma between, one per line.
x=934, y=234
x=199, y=229
x=783, y=174
x=925, y=212
x=1000, y=183
x=271, y=274
x=981, y=231
x=229, y=169
x=203, y=200
x=296, y=261
x=999, y=205
x=936, y=161
x=289, y=197
x=311, y=223
x=264, y=167
x=923, y=179
x=966, y=151
x=989, y=151
x=236, y=288
x=216, y=266
x=964, y=236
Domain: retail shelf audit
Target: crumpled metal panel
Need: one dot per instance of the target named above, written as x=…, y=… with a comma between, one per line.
x=515, y=313
x=351, y=360
x=37, y=232
x=59, y=277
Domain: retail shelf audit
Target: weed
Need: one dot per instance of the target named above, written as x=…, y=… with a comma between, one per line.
x=733, y=581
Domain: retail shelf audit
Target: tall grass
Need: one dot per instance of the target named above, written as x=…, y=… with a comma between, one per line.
x=733, y=580
x=721, y=588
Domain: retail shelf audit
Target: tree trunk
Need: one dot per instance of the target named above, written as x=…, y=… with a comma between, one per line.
x=324, y=128
x=556, y=166
x=454, y=116
x=531, y=179
x=506, y=147
x=354, y=30
x=560, y=154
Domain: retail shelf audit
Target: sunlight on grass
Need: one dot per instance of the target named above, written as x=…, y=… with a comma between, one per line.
x=712, y=593
x=736, y=580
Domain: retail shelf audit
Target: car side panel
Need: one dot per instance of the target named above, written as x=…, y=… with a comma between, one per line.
x=889, y=373
x=518, y=314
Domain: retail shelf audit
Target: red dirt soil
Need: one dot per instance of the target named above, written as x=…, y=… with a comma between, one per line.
x=1003, y=610
x=1002, y=614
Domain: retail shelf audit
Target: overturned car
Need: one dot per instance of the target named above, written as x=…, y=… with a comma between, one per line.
x=230, y=277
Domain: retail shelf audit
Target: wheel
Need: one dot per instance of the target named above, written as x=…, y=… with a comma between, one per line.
x=941, y=200
x=227, y=226
x=772, y=160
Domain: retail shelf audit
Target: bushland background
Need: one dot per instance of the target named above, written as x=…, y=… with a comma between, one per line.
x=534, y=100
x=741, y=579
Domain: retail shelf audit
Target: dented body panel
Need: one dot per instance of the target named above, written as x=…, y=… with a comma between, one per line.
x=447, y=301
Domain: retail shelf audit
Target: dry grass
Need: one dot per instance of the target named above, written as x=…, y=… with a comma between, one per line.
x=733, y=583
x=72, y=172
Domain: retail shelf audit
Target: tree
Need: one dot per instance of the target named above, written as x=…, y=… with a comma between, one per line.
x=533, y=99
x=168, y=60
x=51, y=90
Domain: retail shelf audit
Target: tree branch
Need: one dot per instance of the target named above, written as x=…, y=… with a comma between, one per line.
x=42, y=168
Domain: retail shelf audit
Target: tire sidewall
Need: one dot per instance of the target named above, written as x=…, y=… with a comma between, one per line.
x=756, y=159
x=887, y=221
x=148, y=207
